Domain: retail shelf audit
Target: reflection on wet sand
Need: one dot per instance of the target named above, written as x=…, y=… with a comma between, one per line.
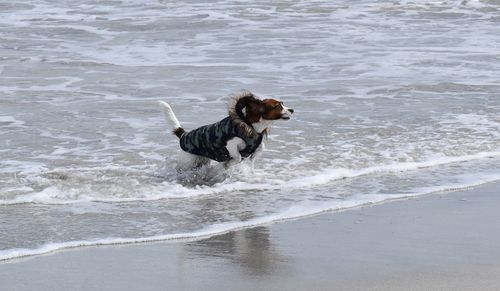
x=251, y=249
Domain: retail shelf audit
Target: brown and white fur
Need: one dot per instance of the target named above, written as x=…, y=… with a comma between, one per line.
x=260, y=114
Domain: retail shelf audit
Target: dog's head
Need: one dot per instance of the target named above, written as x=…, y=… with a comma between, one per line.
x=274, y=109
x=246, y=109
x=252, y=109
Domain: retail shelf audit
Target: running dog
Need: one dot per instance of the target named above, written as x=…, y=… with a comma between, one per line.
x=234, y=138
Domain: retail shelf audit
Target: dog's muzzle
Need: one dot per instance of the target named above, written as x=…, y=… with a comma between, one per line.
x=287, y=114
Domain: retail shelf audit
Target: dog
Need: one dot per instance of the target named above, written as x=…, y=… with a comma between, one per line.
x=234, y=138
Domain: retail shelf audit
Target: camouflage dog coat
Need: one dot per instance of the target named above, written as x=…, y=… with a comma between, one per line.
x=210, y=140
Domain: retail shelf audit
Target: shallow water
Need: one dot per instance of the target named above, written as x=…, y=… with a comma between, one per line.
x=392, y=99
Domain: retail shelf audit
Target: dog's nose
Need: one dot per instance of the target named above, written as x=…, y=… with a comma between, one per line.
x=291, y=110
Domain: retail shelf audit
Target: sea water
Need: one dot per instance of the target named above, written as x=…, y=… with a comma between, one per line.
x=392, y=99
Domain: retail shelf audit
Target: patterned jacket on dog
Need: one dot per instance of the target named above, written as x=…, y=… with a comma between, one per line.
x=210, y=140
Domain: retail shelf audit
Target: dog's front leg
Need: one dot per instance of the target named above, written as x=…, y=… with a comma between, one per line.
x=235, y=158
x=233, y=161
x=234, y=146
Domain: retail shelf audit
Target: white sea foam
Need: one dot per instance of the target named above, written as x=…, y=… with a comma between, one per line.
x=395, y=96
x=60, y=194
x=10, y=121
x=300, y=210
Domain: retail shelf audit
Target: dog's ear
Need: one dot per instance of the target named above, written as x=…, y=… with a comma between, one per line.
x=254, y=109
x=261, y=107
x=242, y=103
x=256, y=106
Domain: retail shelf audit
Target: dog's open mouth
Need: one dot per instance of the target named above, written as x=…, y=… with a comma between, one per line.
x=285, y=117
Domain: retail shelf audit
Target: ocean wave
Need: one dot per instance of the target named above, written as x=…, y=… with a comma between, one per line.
x=301, y=210
x=54, y=193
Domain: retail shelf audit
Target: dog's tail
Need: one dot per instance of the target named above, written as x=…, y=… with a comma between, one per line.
x=170, y=116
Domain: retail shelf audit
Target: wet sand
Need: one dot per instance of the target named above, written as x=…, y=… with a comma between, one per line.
x=443, y=241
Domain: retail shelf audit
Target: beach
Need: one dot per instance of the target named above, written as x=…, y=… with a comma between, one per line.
x=392, y=100
x=442, y=241
x=385, y=176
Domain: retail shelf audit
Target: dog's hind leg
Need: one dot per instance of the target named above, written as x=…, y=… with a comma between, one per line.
x=189, y=162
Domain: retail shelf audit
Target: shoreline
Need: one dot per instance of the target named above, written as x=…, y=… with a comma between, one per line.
x=223, y=228
x=442, y=239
